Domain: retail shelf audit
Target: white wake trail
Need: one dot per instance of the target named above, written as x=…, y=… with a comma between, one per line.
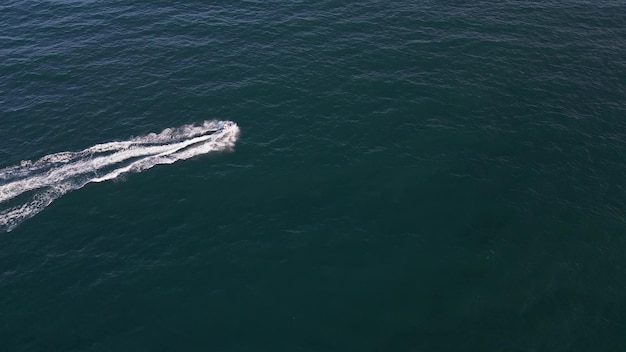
x=29, y=187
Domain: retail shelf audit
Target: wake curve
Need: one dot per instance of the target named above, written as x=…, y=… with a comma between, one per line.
x=29, y=187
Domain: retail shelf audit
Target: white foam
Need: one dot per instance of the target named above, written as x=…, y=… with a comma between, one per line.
x=44, y=180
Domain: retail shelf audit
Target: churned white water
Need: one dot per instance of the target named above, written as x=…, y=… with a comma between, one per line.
x=27, y=188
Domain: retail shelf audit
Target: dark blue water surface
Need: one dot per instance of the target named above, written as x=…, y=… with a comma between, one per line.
x=409, y=176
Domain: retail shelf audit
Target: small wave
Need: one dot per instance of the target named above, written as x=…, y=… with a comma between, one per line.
x=30, y=186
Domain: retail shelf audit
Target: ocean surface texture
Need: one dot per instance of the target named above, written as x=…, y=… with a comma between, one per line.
x=403, y=175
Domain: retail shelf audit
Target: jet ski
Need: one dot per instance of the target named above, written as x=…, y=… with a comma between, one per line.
x=225, y=125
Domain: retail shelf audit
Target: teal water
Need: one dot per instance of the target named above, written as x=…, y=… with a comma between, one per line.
x=408, y=176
